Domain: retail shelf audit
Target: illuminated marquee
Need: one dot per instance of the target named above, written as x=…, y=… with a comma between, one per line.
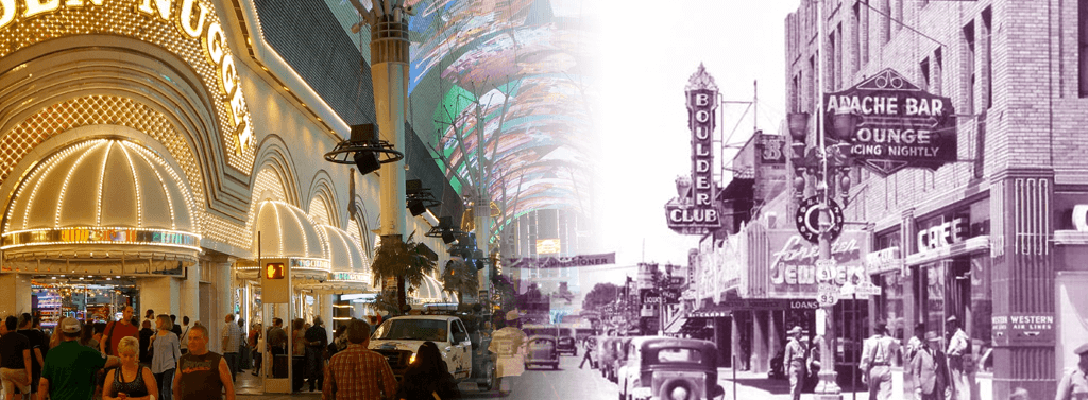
x=193, y=21
x=694, y=211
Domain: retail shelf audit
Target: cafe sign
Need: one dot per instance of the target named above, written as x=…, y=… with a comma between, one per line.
x=899, y=125
x=694, y=211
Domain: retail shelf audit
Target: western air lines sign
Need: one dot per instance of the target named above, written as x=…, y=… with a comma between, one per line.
x=900, y=125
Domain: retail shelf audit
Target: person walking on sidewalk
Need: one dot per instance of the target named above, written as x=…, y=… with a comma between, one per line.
x=928, y=368
x=877, y=355
x=587, y=353
x=131, y=381
x=1074, y=385
x=70, y=366
x=231, y=336
x=959, y=354
x=358, y=373
x=794, y=362
x=165, y=353
x=15, y=360
x=316, y=341
x=202, y=374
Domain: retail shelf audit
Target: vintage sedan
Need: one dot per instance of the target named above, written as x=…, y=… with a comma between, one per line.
x=542, y=350
x=568, y=345
x=668, y=368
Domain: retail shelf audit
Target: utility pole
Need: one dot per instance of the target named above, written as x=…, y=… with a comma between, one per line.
x=828, y=387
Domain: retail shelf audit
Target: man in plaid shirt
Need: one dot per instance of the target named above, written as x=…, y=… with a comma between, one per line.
x=356, y=373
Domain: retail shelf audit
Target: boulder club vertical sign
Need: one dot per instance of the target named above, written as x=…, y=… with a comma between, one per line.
x=694, y=211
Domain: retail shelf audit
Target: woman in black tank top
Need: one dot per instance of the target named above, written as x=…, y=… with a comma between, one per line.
x=131, y=381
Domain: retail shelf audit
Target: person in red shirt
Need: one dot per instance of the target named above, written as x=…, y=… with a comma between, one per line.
x=357, y=373
x=116, y=330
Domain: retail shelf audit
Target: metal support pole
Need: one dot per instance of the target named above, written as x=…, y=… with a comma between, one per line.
x=828, y=387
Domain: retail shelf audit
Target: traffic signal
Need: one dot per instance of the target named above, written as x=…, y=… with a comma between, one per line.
x=274, y=270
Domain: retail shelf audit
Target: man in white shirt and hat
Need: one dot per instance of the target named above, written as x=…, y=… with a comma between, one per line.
x=794, y=362
x=509, y=343
x=1074, y=384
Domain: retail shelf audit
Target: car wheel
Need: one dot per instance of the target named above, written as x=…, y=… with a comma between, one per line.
x=489, y=379
x=555, y=366
x=575, y=352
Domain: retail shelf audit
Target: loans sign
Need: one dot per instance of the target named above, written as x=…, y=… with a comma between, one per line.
x=694, y=211
x=900, y=125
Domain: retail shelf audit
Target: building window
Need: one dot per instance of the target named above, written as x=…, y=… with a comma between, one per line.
x=987, y=59
x=890, y=303
x=924, y=68
x=1082, y=49
x=887, y=8
x=811, y=84
x=795, y=100
x=938, y=68
x=832, y=66
x=856, y=35
x=898, y=14
x=969, y=65
x=981, y=310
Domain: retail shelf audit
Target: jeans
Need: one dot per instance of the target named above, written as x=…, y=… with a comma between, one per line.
x=232, y=363
x=165, y=380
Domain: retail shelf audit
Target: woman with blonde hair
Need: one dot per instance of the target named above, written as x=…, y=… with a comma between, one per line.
x=130, y=381
x=165, y=352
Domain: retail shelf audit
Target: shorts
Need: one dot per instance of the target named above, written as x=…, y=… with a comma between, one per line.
x=13, y=378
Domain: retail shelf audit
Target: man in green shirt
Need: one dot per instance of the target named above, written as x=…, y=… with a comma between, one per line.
x=69, y=369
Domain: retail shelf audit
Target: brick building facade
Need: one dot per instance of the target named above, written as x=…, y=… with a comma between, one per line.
x=993, y=237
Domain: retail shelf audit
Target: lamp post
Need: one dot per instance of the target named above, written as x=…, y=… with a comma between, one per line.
x=825, y=163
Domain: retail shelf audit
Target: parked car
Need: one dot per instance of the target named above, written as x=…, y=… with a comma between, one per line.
x=611, y=353
x=660, y=367
x=568, y=345
x=543, y=350
x=399, y=338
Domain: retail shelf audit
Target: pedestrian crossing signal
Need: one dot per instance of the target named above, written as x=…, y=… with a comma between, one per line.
x=274, y=270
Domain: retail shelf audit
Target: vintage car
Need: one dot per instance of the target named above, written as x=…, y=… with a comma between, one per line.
x=661, y=367
x=399, y=338
x=567, y=345
x=542, y=350
x=611, y=354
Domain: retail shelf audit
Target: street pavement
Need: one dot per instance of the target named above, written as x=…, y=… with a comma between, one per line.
x=569, y=382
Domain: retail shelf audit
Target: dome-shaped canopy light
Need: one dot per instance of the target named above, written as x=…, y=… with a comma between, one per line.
x=285, y=231
x=102, y=206
x=348, y=273
x=429, y=291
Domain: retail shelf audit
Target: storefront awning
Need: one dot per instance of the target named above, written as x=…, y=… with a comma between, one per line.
x=972, y=245
x=429, y=291
x=345, y=257
x=101, y=206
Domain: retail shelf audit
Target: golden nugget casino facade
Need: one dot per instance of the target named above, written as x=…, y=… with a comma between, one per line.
x=144, y=143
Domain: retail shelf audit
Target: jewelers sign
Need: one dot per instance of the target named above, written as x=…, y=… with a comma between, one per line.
x=694, y=211
x=899, y=125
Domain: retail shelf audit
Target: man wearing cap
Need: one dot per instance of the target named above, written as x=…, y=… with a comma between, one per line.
x=959, y=348
x=794, y=361
x=928, y=368
x=509, y=344
x=877, y=355
x=70, y=367
x=1074, y=385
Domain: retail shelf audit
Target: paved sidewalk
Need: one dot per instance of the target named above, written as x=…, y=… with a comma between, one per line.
x=752, y=385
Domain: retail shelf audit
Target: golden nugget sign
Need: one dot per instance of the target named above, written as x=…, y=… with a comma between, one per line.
x=194, y=19
x=694, y=211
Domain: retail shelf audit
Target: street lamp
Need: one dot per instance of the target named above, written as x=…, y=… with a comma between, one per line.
x=824, y=162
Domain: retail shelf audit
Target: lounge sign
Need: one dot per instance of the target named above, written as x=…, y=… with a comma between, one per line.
x=900, y=125
x=694, y=211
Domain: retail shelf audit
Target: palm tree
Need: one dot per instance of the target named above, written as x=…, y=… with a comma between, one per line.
x=407, y=261
x=460, y=277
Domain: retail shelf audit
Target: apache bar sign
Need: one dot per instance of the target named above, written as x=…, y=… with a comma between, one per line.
x=694, y=211
x=900, y=125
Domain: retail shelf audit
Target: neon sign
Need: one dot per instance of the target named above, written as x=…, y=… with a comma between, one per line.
x=194, y=19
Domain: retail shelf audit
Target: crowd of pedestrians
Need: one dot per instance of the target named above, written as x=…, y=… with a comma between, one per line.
x=112, y=361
